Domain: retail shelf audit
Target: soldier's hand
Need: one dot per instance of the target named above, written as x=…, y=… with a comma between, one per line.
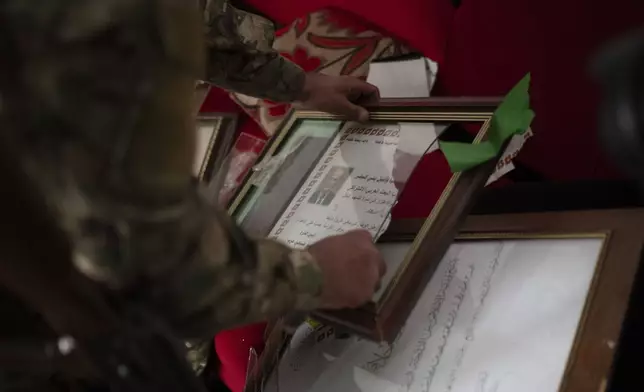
x=351, y=267
x=342, y=95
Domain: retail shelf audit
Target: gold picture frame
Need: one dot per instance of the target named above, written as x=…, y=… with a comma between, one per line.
x=382, y=319
x=621, y=232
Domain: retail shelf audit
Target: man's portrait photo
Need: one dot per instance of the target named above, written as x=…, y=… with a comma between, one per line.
x=330, y=185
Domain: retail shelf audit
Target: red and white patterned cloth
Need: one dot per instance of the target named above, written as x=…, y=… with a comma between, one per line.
x=330, y=42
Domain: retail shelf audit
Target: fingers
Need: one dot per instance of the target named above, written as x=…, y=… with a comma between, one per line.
x=361, y=234
x=342, y=95
x=382, y=266
x=364, y=235
x=363, y=93
x=351, y=111
x=379, y=260
x=352, y=267
x=362, y=114
x=358, y=95
x=369, y=95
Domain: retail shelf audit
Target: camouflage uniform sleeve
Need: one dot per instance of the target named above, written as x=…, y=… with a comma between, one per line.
x=103, y=123
x=241, y=58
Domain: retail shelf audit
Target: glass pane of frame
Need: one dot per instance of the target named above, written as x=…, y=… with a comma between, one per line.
x=323, y=176
x=500, y=314
x=292, y=160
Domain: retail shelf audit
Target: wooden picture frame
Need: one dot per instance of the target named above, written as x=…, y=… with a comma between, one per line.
x=582, y=361
x=373, y=320
x=581, y=323
x=590, y=360
x=215, y=136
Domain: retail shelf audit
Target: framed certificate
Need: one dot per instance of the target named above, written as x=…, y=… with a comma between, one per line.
x=215, y=135
x=532, y=302
x=323, y=176
x=538, y=296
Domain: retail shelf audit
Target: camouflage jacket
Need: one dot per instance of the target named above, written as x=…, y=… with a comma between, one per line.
x=241, y=58
x=96, y=100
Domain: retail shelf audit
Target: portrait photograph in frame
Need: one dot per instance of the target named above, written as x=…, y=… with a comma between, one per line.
x=289, y=175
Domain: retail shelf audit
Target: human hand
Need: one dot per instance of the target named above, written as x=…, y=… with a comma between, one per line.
x=351, y=268
x=342, y=95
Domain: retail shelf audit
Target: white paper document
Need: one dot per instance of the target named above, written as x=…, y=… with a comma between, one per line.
x=352, y=186
x=356, y=182
x=413, y=78
x=419, y=138
x=498, y=316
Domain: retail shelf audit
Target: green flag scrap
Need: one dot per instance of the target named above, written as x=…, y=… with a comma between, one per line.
x=512, y=117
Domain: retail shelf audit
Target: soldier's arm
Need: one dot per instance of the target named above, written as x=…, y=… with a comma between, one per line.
x=232, y=279
x=103, y=123
x=240, y=55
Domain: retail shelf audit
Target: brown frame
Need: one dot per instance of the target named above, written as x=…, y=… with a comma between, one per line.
x=598, y=334
x=379, y=321
x=590, y=362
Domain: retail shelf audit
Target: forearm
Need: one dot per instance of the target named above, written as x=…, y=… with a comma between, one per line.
x=240, y=56
x=256, y=74
x=201, y=271
x=231, y=279
x=109, y=139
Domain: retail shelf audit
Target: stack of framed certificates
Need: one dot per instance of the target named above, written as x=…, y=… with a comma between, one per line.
x=530, y=302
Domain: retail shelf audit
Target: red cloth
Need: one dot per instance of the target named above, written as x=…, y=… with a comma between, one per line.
x=493, y=43
x=218, y=100
x=233, y=348
x=331, y=42
x=422, y=24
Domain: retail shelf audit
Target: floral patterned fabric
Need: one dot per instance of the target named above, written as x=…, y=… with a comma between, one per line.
x=327, y=41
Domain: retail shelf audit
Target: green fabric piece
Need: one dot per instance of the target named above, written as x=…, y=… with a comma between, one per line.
x=462, y=156
x=512, y=117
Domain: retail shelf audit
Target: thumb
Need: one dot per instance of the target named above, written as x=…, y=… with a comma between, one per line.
x=354, y=112
x=363, y=114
